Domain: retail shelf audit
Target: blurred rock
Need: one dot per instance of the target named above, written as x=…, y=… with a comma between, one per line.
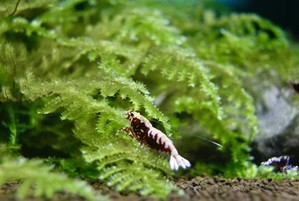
x=279, y=126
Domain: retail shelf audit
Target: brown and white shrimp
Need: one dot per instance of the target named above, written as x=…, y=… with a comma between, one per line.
x=143, y=131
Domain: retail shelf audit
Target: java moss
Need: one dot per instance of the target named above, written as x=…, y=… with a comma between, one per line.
x=70, y=69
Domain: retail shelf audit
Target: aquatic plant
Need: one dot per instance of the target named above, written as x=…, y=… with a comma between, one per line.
x=69, y=70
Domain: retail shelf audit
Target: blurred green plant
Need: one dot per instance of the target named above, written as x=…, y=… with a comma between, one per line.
x=70, y=69
x=269, y=172
x=37, y=177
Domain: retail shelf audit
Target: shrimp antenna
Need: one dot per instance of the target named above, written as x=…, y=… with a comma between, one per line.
x=206, y=139
x=203, y=138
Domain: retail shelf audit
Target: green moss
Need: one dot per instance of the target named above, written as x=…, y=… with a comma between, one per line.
x=70, y=69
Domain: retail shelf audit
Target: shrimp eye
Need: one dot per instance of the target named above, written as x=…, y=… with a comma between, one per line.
x=130, y=115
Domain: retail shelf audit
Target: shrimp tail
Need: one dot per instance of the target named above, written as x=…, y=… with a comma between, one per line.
x=177, y=161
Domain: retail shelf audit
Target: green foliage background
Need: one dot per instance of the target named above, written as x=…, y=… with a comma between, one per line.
x=69, y=70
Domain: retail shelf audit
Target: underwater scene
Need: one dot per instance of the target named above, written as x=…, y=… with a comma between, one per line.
x=149, y=100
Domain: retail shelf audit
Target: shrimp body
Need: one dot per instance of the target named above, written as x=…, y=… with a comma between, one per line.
x=143, y=131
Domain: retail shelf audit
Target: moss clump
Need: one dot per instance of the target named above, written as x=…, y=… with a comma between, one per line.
x=70, y=69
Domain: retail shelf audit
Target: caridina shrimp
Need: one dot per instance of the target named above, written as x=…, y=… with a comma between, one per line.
x=143, y=131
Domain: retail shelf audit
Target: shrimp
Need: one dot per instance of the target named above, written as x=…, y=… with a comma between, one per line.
x=143, y=131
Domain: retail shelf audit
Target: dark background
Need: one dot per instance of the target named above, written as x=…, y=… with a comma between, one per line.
x=284, y=13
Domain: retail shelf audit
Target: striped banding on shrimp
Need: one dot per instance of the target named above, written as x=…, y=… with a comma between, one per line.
x=143, y=131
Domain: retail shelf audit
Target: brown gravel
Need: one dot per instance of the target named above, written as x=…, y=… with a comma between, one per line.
x=206, y=188
x=199, y=188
